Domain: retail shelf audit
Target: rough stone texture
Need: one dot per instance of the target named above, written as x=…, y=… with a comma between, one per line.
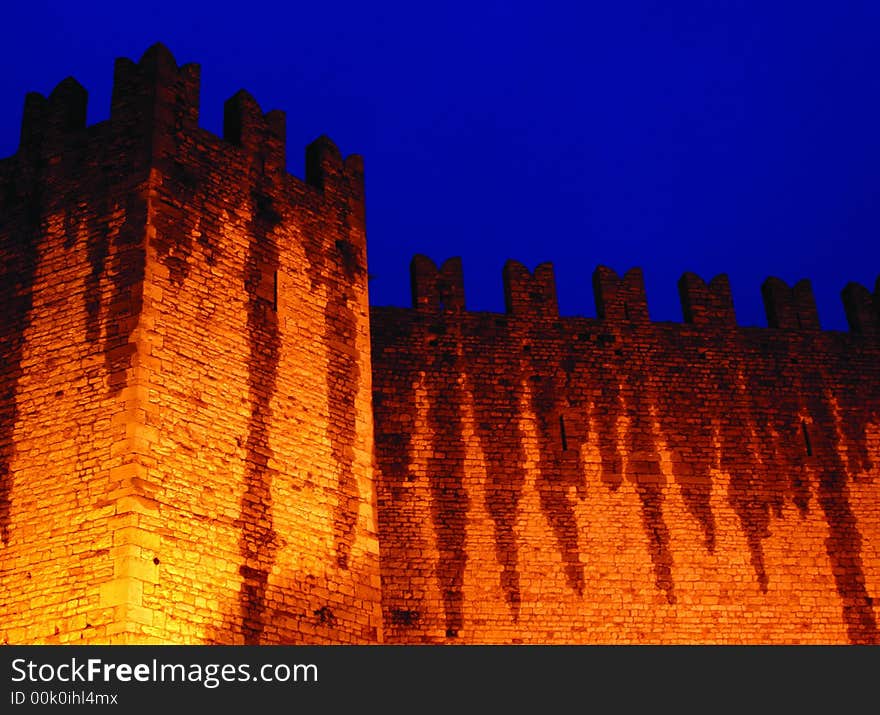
x=612, y=480
x=190, y=374
x=186, y=436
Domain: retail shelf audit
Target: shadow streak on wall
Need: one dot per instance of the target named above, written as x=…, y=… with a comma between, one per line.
x=746, y=447
x=844, y=542
x=339, y=270
x=403, y=592
x=126, y=276
x=16, y=294
x=496, y=412
x=449, y=500
x=765, y=469
x=343, y=381
x=258, y=542
x=643, y=467
x=555, y=476
x=688, y=428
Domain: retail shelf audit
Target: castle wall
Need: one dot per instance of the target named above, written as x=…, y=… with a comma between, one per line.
x=239, y=504
x=612, y=480
x=190, y=375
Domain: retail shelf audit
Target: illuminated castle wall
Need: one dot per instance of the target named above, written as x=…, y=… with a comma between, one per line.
x=208, y=436
x=546, y=479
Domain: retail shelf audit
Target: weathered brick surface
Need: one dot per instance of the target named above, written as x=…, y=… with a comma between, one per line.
x=190, y=375
x=186, y=440
x=612, y=480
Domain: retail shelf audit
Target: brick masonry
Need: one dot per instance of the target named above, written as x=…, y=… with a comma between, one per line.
x=207, y=435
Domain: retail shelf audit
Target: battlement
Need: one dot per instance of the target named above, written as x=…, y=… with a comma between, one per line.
x=703, y=304
x=327, y=171
x=790, y=308
x=623, y=301
x=620, y=300
x=155, y=90
x=530, y=294
x=437, y=290
x=262, y=136
x=156, y=100
x=862, y=308
x=48, y=121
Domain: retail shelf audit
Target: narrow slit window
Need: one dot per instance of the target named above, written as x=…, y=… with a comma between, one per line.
x=625, y=310
x=562, y=433
x=267, y=287
x=807, y=445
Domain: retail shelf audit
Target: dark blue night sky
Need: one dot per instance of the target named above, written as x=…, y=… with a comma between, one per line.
x=714, y=137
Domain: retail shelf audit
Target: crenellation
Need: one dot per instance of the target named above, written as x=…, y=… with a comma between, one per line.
x=790, y=308
x=706, y=306
x=530, y=294
x=338, y=180
x=703, y=304
x=32, y=123
x=262, y=136
x=437, y=290
x=620, y=300
x=862, y=309
x=325, y=168
x=47, y=123
x=155, y=91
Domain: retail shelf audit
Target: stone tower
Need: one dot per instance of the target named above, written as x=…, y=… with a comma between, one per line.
x=186, y=433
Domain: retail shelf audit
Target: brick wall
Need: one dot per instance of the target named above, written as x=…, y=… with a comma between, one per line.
x=612, y=480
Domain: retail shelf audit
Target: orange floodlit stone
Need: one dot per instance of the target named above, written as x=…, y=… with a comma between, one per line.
x=208, y=435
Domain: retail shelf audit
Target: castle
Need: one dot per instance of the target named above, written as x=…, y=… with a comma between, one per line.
x=208, y=435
